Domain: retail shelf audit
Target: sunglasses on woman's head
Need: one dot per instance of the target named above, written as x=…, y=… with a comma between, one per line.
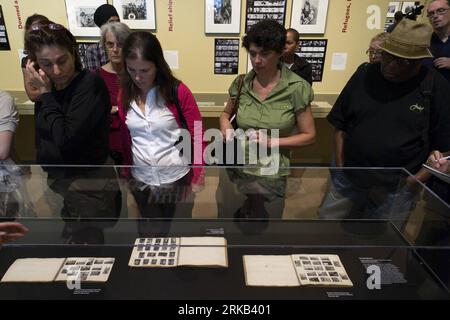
x=51, y=26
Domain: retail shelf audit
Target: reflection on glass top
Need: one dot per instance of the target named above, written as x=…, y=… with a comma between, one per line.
x=361, y=202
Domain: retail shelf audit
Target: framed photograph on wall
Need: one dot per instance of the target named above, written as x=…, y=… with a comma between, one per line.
x=226, y=56
x=407, y=6
x=137, y=14
x=258, y=10
x=309, y=16
x=314, y=51
x=393, y=7
x=80, y=15
x=222, y=16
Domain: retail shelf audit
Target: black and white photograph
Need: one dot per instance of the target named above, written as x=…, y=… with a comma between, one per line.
x=314, y=51
x=4, y=42
x=393, y=7
x=222, y=16
x=222, y=11
x=80, y=17
x=309, y=12
x=309, y=16
x=388, y=23
x=327, y=276
x=226, y=56
x=82, y=47
x=407, y=6
x=134, y=9
x=137, y=14
x=85, y=17
x=258, y=10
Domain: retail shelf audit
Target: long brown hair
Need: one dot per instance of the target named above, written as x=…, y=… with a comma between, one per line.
x=146, y=46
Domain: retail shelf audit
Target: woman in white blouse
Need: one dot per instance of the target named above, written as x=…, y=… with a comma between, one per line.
x=152, y=129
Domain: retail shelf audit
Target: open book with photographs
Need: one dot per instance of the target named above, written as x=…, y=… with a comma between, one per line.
x=295, y=270
x=182, y=251
x=83, y=269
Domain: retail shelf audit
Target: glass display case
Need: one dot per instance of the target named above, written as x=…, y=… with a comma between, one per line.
x=390, y=232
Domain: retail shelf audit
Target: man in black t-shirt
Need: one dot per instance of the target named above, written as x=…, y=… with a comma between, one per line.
x=384, y=118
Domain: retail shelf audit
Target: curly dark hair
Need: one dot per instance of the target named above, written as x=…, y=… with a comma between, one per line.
x=267, y=34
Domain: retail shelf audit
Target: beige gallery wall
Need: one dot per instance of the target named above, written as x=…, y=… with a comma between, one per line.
x=196, y=49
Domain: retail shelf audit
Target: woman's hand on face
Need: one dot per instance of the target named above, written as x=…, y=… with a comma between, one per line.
x=38, y=79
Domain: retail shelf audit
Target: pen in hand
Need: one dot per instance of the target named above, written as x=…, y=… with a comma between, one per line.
x=444, y=158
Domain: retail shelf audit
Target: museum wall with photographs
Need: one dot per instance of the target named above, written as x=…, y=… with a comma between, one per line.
x=188, y=30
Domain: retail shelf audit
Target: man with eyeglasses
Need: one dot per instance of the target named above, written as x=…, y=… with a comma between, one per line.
x=390, y=114
x=439, y=14
x=374, y=51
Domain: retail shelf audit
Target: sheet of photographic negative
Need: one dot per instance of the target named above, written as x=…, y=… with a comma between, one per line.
x=314, y=51
x=155, y=252
x=86, y=269
x=316, y=269
x=258, y=10
x=4, y=42
x=226, y=56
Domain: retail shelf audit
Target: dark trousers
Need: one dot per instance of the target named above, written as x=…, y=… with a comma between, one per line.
x=159, y=205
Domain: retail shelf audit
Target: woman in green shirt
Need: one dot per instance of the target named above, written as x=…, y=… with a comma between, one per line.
x=272, y=98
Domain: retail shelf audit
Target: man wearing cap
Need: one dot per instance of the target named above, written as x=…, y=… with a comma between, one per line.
x=95, y=54
x=439, y=14
x=384, y=117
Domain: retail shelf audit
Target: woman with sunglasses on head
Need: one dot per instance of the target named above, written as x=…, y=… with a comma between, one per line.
x=72, y=126
x=113, y=35
x=73, y=120
x=151, y=131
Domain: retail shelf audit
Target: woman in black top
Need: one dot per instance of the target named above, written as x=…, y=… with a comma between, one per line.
x=72, y=126
x=73, y=120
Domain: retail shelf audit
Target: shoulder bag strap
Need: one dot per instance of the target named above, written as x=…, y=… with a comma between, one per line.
x=238, y=96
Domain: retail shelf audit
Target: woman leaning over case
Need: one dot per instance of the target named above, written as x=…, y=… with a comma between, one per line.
x=151, y=130
x=273, y=98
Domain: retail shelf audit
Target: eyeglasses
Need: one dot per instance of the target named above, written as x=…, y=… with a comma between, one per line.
x=112, y=45
x=438, y=12
x=388, y=58
x=51, y=26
